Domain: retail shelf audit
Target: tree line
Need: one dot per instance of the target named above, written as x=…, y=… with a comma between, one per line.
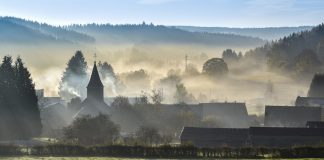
x=19, y=112
x=299, y=53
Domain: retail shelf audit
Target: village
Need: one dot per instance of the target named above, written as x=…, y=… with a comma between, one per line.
x=282, y=126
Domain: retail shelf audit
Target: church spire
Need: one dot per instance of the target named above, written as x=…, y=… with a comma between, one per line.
x=95, y=86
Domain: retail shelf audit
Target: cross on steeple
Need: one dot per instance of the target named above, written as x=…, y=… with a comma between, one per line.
x=95, y=57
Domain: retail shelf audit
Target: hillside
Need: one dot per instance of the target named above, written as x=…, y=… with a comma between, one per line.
x=301, y=52
x=20, y=31
x=267, y=33
x=15, y=30
x=151, y=34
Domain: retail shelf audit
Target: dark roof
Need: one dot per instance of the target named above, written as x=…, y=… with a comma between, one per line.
x=309, y=101
x=315, y=124
x=214, y=137
x=284, y=131
x=231, y=115
x=212, y=132
x=95, y=78
x=290, y=116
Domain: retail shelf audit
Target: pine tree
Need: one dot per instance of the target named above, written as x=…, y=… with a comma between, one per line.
x=19, y=112
x=316, y=88
x=31, y=121
x=7, y=107
x=74, y=80
x=106, y=70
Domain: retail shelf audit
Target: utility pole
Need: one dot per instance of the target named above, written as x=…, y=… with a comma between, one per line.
x=186, y=61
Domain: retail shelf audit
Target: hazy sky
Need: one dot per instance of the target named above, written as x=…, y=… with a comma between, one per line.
x=230, y=13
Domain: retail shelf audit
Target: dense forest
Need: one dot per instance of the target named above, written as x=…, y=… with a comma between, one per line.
x=299, y=53
x=31, y=32
x=15, y=30
x=267, y=33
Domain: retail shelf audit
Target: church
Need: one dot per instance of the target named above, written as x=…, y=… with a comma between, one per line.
x=94, y=104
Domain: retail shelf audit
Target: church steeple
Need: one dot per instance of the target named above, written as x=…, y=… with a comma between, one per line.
x=95, y=86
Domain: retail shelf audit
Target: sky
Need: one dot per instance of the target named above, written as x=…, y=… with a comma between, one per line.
x=222, y=13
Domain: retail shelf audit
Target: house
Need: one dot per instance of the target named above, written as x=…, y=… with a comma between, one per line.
x=315, y=124
x=285, y=137
x=54, y=117
x=227, y=115
x=214, y=137
x=47, y=101
x=311, y=101
x=290, y=116
x=252, y=137
x=230, y=115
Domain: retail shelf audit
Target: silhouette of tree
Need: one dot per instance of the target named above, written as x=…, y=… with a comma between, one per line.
x=306, y=63
x=30, y=113
x=142, y=99
x=106, y=70
x=230, y=56
x=74, y=80
x=156, y=96
x=316, y=88
x=215, y=67
x=148, y=136
x=89, y=130
x=19, y=112
x=120, y=102
x=181, y=93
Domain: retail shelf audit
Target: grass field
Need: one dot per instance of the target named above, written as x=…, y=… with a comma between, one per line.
x=63, y=158
x=97, y=158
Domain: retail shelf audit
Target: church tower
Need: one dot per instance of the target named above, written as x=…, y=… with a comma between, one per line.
x=95, y=88
x=94, y=104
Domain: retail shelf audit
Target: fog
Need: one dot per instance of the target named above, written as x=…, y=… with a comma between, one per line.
x=244, y=83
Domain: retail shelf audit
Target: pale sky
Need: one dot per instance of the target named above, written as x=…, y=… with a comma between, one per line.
x=226, y=13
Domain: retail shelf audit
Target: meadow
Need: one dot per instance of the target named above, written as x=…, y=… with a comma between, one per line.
x=100, y=158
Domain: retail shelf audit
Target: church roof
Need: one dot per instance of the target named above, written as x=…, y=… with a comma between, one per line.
x=95, y=78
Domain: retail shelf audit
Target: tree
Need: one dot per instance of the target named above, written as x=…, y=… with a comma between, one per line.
x=19, y=112
x=88, y=130
x=157, y=96
x=240, y=55
x=306, y=62
x=181, y=93
x=120, y=102
x=74, y=80
x=30, y=114
x=109, y=77
x=148, y=136
x=142, y=99
x=230, y=56
x=138, y=79
x=215, y=67
x=7, y=99
x=106, y=70
x=316, y=88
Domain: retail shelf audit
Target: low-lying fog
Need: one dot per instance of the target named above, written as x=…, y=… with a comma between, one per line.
x=245, y=83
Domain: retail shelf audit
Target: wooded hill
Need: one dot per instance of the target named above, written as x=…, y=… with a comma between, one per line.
x=15, y=30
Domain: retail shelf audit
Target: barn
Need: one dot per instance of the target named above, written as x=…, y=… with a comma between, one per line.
x=290, y=116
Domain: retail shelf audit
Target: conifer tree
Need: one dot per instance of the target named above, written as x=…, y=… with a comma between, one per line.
x=74, y=80
x=19, y=112
x=316, y=88
x=31, y=121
